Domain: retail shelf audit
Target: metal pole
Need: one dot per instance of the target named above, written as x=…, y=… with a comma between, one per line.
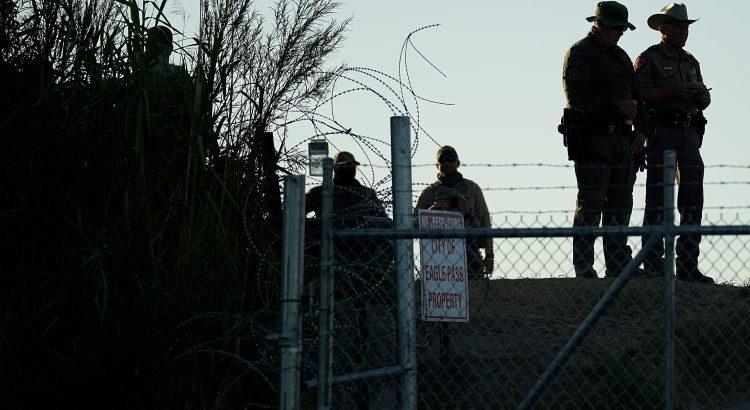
x=402, y=216
x=586, y=327
x=291, y=302
x=670, y=159
x=325, y=350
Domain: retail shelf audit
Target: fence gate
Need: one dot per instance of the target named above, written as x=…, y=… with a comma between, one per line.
x=536, y=337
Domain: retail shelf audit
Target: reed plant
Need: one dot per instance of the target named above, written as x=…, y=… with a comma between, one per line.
x=140, y=200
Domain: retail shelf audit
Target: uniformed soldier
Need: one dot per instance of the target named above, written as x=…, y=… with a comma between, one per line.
x=453, y=192
x=602, y=103
x=670, y=82
x=170, y=97
x=351, y=199
x=353, y=206
x=158, y=46
x=362, y=267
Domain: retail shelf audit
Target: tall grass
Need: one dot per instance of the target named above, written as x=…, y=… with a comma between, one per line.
x=140, y=211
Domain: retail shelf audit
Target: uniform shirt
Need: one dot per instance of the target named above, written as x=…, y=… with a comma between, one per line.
x=470, y=202
x=657, y=68
x=351, y=200
x=596, y=77
x=352, y=203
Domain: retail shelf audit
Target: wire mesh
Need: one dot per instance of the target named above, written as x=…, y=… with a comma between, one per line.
x=525, y=310
x=523, y=314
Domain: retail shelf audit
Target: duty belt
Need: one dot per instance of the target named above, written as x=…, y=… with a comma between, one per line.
x=676, y=119
x=604, y=128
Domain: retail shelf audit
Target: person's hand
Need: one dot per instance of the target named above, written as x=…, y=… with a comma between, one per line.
x=640, y=161
x=489, y=264
x=704, y=99
x=628, y=108
x=639, y=142
x=688, y=91
x=440, y=204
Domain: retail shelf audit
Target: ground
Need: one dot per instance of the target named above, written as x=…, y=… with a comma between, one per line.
x=517, y=327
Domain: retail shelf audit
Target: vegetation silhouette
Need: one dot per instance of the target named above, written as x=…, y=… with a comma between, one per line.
x=140, y=202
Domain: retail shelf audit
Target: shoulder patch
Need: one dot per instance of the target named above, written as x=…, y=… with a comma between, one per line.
x=641, y=63
x=573, y=75
x=691, y=58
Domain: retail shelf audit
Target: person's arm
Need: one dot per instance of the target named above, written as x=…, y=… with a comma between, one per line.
x=424, y=202
x=704, y=97
x=645, y=74
x=485, y=222
x=378, y=209
x=640, y=123
x=312, y=201
x=682, y=91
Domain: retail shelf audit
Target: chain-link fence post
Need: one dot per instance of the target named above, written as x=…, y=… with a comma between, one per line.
x=292, y=268
x=325, y=348
x=669, y=279
x=402, y=216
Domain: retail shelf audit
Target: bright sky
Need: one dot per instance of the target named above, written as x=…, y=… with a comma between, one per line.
x=503, y=62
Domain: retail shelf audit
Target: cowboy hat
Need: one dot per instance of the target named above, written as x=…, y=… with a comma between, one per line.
x=674, y=12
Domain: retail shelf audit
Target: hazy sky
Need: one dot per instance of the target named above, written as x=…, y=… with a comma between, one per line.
x=503, y=62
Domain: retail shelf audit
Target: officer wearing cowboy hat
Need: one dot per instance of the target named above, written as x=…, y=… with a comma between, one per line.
x=671, y=85
x=351, y=199
x=601, y=94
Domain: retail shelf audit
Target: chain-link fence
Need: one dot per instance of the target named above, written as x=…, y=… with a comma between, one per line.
x=398, y=317
x=522, y=316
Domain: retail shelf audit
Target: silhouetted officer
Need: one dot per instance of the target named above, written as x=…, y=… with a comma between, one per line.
x=453, y=192
x=670, y=82
x=351, y=199
x=601, y=100
x=362, y=266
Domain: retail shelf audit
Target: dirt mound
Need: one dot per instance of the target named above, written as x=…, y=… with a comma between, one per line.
x=517, y=327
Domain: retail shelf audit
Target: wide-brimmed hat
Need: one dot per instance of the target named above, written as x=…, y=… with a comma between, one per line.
x=611, y=14
x=670, y=13
x=344, y=158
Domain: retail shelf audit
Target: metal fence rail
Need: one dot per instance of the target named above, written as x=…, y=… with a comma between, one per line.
x=562, y=232
x=612, y=331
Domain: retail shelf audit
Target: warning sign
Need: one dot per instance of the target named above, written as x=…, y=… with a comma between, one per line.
x=445, y=293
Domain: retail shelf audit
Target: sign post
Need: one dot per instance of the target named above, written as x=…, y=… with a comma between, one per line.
x=445, y=291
